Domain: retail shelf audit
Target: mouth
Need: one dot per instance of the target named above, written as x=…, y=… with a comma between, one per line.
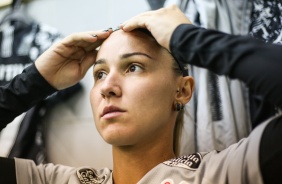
x=110, y=111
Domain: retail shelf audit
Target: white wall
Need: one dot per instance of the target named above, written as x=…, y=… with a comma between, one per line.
x=72, y=138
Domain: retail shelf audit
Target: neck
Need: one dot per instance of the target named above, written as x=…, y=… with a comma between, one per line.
x=131, y=163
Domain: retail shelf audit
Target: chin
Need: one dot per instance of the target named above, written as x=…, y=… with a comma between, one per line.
x=118, y=140
x=118, y=136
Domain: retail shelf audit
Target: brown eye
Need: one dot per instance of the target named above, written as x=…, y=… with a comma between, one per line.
x=134, y=68
x=101, y=75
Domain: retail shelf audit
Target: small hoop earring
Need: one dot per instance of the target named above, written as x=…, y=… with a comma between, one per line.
x=178, y=106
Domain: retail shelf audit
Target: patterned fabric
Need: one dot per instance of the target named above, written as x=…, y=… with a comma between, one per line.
x=267, y=21
x=20, y=46
x=266, y=25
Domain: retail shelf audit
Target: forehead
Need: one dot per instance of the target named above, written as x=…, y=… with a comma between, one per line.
x=120, y=42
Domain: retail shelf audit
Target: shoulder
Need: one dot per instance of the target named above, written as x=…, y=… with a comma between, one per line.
x=190, y=162
x=181, y=169
x=57, y=174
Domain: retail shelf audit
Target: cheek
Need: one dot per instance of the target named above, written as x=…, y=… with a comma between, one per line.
x=151, y=95
x=94, y=101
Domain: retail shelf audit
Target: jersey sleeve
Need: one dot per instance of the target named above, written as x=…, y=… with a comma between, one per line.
x=255, y=63
x=239, y=163
x=28, y=172
x=21, y=93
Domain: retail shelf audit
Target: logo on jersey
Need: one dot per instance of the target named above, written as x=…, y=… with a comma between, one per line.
x=190, y=162
x=89, y=176
x=167, y=181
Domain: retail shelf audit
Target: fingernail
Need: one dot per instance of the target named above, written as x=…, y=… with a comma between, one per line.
x=106, y=30
x=116, y=29
x=94, y=35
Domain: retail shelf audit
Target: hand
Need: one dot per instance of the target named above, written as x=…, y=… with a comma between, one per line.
x=161, y=23
x=66, y=62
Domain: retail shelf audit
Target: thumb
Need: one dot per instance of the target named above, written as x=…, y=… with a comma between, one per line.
x=87, y=62
x=133, y=23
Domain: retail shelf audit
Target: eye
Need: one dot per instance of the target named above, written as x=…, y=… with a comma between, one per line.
x=134, y=68
x=100, y=75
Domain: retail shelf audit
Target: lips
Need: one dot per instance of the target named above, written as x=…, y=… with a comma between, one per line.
x=111, y=109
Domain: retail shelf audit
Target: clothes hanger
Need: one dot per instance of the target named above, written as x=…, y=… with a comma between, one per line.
x=17, y=15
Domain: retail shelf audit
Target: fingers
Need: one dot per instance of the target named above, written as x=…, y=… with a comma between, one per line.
x=135, y=22
x=84, y=39
x=67, y=61
x=77, y=45
x=94, y=46
x=163, y=17
x=88, y=61
x=161, y=23
x=143, y=20
x=67, y=52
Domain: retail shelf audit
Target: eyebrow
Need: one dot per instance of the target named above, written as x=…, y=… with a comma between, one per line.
x=124, y=56
x=135, y=53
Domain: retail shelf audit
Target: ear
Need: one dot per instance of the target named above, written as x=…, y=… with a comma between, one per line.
x=185, y=89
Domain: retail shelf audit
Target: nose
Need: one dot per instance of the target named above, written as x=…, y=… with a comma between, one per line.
x=111, y=86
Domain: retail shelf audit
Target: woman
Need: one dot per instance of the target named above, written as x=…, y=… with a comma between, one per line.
x=138, y=88
x=135, y=107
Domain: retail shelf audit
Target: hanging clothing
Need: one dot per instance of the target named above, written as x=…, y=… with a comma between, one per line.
x=266, y=25
x=225, y=110
x=20, y=46
x=266, y=18
x=219, y=114
x=221, y=110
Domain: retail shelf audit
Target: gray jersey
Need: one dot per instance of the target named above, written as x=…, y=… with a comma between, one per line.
x=237, y=164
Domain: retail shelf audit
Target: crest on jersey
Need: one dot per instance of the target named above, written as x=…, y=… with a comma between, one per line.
x=190, y=162
x=89, y=176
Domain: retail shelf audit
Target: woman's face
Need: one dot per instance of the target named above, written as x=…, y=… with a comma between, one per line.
x=134, y=91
